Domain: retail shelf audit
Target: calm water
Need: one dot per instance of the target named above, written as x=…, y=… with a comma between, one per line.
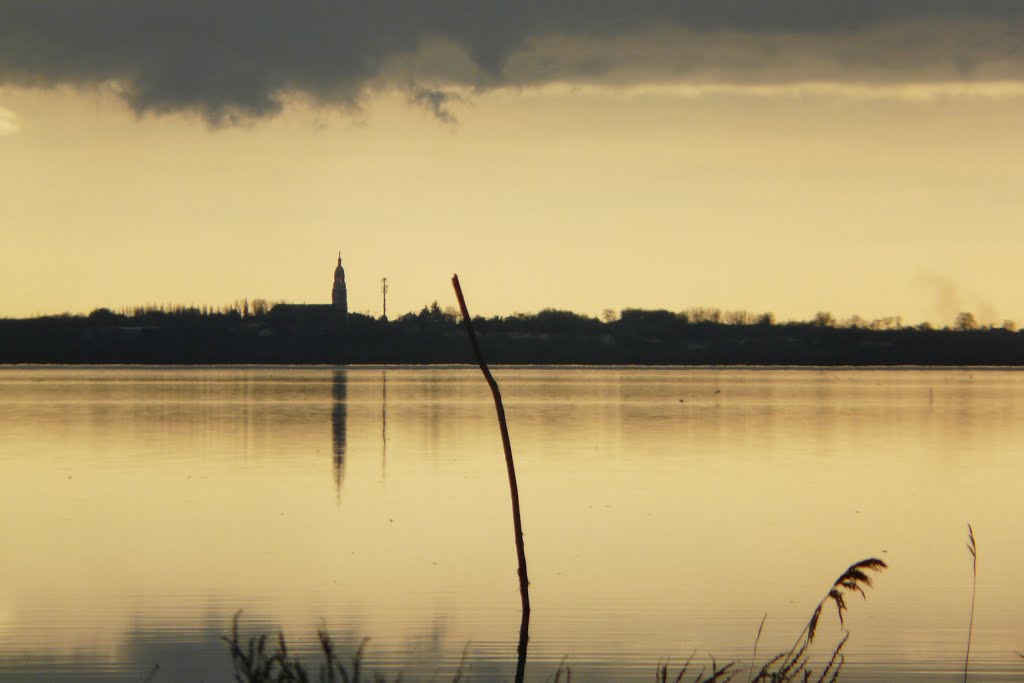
x=666, y=511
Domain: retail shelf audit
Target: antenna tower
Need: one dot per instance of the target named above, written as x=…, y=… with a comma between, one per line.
x=384, y=294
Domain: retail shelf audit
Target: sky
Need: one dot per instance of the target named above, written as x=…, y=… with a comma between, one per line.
x=858, y=157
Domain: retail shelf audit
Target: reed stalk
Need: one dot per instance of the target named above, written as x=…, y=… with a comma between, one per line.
x=853, y=580
x=753, y=655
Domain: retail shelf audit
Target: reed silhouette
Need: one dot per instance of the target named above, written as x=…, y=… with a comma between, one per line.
x=255, y=662
x=260, y=659
x=719, y=674
x=757, y=639
x=786, y=666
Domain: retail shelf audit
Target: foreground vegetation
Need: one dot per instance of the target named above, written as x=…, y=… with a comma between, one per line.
x=254, y=662
x=260, y=659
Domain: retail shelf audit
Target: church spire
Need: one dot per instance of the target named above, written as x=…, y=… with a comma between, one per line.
x=339, y=293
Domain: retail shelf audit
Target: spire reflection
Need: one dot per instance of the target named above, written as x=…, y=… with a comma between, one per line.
x=339, y=425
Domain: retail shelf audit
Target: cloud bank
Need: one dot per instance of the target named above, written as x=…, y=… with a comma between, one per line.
x=231, y=60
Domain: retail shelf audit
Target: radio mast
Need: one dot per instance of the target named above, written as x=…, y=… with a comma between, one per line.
x=384, y=294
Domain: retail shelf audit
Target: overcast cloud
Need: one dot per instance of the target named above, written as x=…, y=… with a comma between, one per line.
x=229, y=60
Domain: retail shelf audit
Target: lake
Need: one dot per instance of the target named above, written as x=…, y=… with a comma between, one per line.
x=666, y=512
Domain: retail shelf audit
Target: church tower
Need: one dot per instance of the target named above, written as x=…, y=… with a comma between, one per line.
x=339, y=295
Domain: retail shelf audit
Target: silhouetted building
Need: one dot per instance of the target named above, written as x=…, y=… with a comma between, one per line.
x=339, y=294
x=312, y=315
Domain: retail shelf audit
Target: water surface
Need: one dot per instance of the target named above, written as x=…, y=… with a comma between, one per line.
x=665, y=512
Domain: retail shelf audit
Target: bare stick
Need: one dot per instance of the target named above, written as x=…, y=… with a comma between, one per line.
x=972, y=548
x=524, y=638
x=524, y=581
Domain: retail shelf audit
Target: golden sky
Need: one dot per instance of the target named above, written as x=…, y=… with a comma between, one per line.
x=791, y=163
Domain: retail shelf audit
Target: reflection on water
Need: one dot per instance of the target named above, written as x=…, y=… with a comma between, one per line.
x=339, y=423
x=383, y=424
x=667, y=510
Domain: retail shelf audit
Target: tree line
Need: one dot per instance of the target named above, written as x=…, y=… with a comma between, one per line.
x=256, y=331
x=259, y=309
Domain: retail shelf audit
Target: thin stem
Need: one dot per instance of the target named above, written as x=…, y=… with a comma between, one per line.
x=524, y=581
x=972, y=548
x=524, y=640
x=753, y=656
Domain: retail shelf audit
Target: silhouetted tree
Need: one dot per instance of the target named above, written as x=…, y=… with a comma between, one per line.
x=892, y=322
x=966, y=321
x=701, y=314
x=432, y=316
x=823, y=319
x=103, y=315
x=554, y=321
x=739, y=318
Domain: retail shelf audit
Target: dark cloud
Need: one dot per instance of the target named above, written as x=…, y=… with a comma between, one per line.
x=435, y=101
x=230, y=60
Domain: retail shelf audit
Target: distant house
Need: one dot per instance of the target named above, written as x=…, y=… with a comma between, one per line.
x=324, y=315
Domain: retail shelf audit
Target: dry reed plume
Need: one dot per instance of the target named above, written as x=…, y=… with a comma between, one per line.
x=790, y=665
